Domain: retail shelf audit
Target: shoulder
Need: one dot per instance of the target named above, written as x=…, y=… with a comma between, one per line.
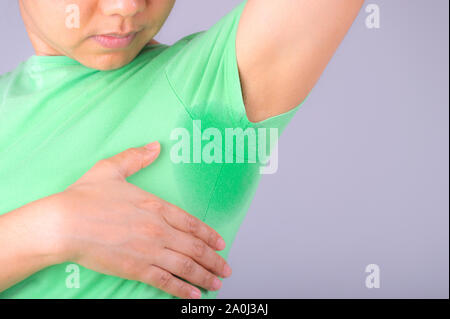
x=164, y=54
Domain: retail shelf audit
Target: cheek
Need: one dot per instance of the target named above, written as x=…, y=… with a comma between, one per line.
x=76, y=22
x=159, y=10
x=63, y=23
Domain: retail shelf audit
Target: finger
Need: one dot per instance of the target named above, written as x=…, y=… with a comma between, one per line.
x=165, y=281
x=183, y=221
x=131, y=160
x=200, y=252
x=186, y=268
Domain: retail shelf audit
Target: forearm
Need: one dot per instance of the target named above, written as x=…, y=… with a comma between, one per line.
x=29, y=241
x=112, y=227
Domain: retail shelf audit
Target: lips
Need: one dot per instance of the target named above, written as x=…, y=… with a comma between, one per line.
x=115, y=41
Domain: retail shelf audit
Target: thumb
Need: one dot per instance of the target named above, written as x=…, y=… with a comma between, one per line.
x=134, y=159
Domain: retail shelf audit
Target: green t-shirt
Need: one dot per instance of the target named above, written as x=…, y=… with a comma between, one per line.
x=58, y=118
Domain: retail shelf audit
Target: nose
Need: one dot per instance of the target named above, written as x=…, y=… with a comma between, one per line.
x=124, y=8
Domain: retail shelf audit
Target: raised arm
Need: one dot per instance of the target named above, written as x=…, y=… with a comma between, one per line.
x=284, y=46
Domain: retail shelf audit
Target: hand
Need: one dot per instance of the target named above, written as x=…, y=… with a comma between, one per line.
x=116, y=228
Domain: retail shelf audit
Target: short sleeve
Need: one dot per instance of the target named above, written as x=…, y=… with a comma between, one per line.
x=204, y=75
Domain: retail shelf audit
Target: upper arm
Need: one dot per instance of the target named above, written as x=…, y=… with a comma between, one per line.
x=283, y=46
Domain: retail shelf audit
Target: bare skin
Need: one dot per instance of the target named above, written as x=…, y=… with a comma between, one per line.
x=111, y=226
x=45, y=22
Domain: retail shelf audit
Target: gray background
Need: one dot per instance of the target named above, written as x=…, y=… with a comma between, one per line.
x=364, y=165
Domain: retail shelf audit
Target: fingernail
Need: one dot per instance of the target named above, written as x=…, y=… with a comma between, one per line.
x=220, y=244
x=152, y=146
x=226, y=270
x=196, y=294
x=216, y=284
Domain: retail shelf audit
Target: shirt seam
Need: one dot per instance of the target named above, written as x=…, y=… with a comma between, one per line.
x=192, y=118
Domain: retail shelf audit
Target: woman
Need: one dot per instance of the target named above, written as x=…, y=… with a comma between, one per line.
x=77, y=186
